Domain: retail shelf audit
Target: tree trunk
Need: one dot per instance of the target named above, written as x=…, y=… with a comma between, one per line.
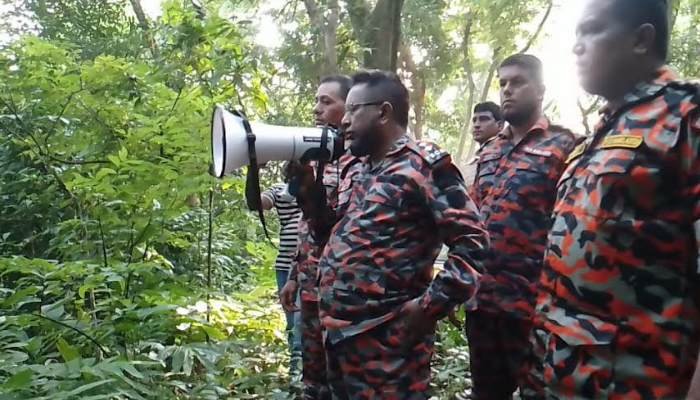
x=673, y=7
x=146, y=27
x=418, y=87
x=471, y=87
x=378, y=32
x=327, y=23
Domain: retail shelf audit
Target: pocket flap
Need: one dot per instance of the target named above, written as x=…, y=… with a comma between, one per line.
x=580, y=329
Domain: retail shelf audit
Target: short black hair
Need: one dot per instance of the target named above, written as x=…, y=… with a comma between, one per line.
x=489, y=107
x=525, y=61
x=344, y=81
x=635, y=13
x=389, y=88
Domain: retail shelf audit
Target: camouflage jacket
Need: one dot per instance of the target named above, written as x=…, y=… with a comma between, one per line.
x=381, y=254
x=337, y=180
x=621, y=265
x=515, y=190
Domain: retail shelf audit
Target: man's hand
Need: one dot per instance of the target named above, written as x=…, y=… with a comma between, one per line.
x=418, y=324
x=288, y=296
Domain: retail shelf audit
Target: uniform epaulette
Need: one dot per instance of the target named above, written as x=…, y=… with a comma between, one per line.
x=690, y=86
x=566, y=131
x=429, y=152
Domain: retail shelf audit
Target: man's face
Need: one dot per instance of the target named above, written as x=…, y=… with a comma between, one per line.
x=604, y=48
x=362, y=119
x=521, y=94
x=484, y=126
x=330, y=106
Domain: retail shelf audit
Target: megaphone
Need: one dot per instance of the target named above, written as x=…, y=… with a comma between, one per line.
x=236, y=142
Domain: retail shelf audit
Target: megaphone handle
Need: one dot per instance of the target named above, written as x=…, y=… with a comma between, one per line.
x=254, y=174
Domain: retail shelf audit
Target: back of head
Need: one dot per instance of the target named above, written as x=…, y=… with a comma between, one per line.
x=489, y=107
x=635, y=13
x=386, y=86
x=527, y=62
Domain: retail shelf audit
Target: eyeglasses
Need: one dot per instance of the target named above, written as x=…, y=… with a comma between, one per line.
x=352, y=108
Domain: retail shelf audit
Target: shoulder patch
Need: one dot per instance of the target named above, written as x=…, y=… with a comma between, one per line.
x=429, y=152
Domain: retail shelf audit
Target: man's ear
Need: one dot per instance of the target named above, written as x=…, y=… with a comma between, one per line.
x=501, y=124
x=644, y=40
x=386, y=112
x=542, y=90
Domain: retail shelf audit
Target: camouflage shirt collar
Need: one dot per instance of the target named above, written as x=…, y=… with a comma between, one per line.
x=395, y=148
x=541, y=124
x=648, y=88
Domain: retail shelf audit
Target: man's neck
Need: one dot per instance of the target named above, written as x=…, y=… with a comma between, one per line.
x=379, y=155
x=520, y=130
x=617, y=100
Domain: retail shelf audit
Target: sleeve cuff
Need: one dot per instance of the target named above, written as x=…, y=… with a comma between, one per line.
x=432, y=307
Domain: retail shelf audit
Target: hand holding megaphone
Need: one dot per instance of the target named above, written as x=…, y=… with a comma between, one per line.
x=236, y=142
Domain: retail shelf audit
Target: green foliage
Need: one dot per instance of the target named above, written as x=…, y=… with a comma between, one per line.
x=132, y=331
x=111, y=286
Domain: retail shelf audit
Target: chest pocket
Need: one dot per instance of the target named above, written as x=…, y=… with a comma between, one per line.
x=345, y=190
x=533, y=183
x=607, y=182
x=486, y=174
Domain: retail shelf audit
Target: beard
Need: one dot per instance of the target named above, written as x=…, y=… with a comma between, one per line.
x=521, y=115
x=364, y=143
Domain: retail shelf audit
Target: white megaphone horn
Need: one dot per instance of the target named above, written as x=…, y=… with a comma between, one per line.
x=234, y=140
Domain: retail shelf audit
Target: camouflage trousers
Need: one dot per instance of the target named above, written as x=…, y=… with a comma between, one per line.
x=497, y=349
x=628, y=367
x=376, y=365
x=313, y=354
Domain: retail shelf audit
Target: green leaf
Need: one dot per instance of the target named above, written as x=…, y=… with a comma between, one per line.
x=104, y=172
x=123, y=153
x=20, y=380
x=83, y=289
x=178, y=360
x=213, y=332
x=115, y=160
x=54, y=311
x=19, y=295
x=67, y=351
x=87, y=387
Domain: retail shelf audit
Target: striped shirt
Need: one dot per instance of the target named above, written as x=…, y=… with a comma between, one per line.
x=289, y=213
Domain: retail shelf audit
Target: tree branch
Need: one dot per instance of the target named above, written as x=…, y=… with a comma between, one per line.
x=63, y=324
x=492, y=72
x=537, y=32
x=143, y=22
x=471, y=87
x=418, y=87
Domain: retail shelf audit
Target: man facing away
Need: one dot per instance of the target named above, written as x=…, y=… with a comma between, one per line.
x=328, y=109
x=487, y=122
x=619, y=305
x=378, y=298
x=515, y=189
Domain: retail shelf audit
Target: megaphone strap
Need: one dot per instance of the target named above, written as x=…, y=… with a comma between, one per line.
x=255, y=176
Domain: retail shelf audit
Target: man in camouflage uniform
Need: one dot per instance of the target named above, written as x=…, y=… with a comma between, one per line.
x=329, y=109
x=487, y=122
x=619, y=301
x=515, y=189
x=379, y=301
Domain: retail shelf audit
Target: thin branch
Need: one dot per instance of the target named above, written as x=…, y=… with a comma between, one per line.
x=209, y=247
x=63, y=324
x=537, y=32
x=143, y=22
x=104, y=245
x=60, y=115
